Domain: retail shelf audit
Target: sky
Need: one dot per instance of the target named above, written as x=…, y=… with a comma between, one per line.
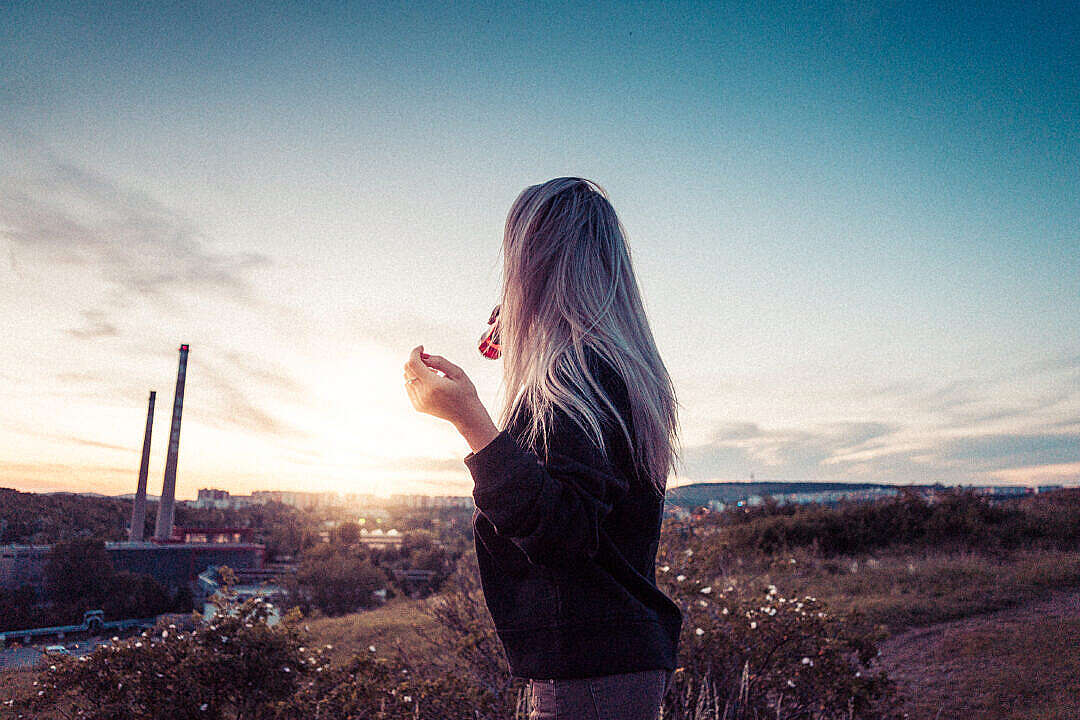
x=856, y=228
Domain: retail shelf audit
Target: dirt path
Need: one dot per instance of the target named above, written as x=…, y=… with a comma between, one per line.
x=1012, y=663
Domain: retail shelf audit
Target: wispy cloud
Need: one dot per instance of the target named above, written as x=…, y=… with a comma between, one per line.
x=95, y=325
x=973, y=428
x=90, y=443
x=71, y=215
x=233, y=404
x=268, y=373
x=417, y=464
x=875, y=452
x=741, y=448
x=997, y=451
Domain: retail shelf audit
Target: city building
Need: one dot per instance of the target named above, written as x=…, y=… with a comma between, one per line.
x=430, y=502
x=299, y=500
x=173, y=564
x=213, y=498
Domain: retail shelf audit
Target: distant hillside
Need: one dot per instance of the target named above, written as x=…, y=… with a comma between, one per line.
x=698, y=494
x=42, y=518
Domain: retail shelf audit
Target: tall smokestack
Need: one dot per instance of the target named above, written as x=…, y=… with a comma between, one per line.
x=138, y=510
x=167, y=506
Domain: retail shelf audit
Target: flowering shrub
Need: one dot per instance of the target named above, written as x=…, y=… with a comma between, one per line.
x=748, y=652
x=237, y=665
x=234, y=666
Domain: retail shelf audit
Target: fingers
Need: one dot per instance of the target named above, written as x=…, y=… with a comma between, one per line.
x=443, y=365
x=419, y=361
x=415, y=363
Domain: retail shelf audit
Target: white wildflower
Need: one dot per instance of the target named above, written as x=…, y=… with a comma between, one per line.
x=706, y=590
x=753, y=625
x=665, y=568
x=791, y=683
x=805, y=660
x=699, y=632
x=371, y=648
x=680, y=578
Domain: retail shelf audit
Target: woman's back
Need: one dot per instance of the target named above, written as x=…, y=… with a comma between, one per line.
x=566, y=551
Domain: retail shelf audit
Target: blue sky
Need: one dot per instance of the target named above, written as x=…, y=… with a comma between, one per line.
x=856, y=227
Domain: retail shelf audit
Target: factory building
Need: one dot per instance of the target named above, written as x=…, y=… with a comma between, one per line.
x=174, y=556
x=174, y=565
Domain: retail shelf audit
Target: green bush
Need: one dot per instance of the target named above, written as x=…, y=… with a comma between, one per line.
x=957, y=519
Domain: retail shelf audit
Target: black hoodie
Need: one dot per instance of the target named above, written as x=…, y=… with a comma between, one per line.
x=567, y=552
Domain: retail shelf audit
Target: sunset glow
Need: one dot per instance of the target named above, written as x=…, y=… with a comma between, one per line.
x=860, y=255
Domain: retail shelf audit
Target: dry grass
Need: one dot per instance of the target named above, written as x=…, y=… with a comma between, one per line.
x=1008, y=665
x=384, y=627
x=17, y=685
x=974, y=636
x=902, y=591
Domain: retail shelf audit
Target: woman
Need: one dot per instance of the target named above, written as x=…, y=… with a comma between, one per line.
x=569, y=495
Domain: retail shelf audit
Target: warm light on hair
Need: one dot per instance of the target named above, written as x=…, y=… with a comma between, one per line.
x=569, y=286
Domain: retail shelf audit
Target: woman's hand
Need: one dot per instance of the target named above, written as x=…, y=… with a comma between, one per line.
x=450, y=396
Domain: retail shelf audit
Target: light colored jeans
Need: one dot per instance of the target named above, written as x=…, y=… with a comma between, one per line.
x=627, y=696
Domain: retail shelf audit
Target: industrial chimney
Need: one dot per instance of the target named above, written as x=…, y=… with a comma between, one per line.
x=138, y=510
x=167, y=506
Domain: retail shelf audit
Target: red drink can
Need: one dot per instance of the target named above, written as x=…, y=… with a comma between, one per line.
x=489, y=341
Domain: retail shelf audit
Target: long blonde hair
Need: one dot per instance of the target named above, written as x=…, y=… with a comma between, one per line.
x=569, y=288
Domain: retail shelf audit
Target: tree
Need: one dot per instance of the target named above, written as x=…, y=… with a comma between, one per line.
x=348, y=533
x=79, y=575
x=338, y=581
x=134, y=595
x=17, y=608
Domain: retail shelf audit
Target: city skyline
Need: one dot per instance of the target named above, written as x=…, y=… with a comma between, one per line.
x=856, y=228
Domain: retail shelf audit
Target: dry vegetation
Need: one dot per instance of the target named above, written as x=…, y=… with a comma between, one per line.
x=965, y=627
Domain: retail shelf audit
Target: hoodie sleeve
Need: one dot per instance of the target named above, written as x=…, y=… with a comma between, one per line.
x=552, y=511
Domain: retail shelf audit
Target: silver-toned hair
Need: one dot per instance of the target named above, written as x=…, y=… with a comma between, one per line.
x=569, y=286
